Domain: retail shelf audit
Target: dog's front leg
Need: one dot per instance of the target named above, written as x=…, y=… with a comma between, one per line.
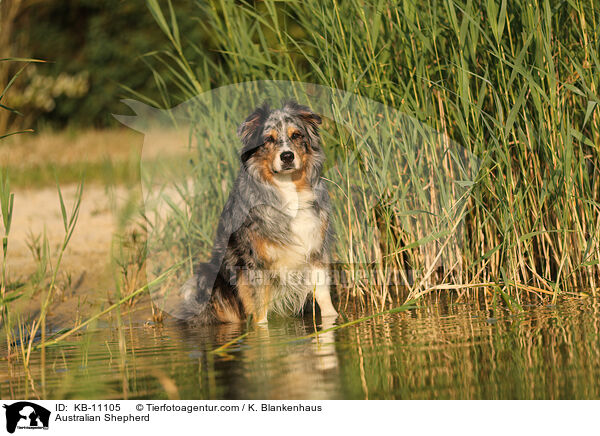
x=255, y=295
x=320, y=280
x=263, y=299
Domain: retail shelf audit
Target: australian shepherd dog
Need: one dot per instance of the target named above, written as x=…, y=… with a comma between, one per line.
x=271, y=249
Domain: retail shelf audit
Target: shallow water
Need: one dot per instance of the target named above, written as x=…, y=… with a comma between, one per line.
x=434, y=352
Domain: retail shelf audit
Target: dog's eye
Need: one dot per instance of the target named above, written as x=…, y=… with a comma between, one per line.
x=296, y=135
x=269, y=138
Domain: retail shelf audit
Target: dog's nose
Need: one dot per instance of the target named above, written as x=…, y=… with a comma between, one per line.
x=287, y=157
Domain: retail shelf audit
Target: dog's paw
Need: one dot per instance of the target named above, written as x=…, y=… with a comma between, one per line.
x=263, y=321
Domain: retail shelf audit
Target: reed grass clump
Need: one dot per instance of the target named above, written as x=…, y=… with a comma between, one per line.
x=514, y=83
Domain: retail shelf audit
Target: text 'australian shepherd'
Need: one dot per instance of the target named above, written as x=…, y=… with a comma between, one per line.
x=271, y=248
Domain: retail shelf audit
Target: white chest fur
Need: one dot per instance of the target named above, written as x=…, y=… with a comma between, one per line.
x=305, y=226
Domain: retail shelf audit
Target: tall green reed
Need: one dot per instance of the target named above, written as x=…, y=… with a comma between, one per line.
x=7, y=202
x=515, y=83
x=69, y=224
x=6, y=205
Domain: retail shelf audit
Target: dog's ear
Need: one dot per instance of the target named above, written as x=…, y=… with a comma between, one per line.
x=248, y=130
x=310, y=120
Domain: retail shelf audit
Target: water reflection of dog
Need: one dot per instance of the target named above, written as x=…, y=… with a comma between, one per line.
x=279, y=362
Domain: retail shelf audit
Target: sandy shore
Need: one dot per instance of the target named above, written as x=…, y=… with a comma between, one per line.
x=85, y=280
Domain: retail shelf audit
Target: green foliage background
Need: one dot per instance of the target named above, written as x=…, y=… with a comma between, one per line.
x=108, y=39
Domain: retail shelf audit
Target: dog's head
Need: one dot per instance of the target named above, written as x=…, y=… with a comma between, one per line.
x=282, y=141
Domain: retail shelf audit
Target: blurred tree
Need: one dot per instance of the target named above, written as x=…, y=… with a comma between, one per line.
x=94, y=48
x=8, y=13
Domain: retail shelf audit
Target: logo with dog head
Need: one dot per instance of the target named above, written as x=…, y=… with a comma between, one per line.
x=26, y=415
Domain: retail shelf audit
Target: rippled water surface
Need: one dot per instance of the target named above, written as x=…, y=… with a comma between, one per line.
x=455, y=352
